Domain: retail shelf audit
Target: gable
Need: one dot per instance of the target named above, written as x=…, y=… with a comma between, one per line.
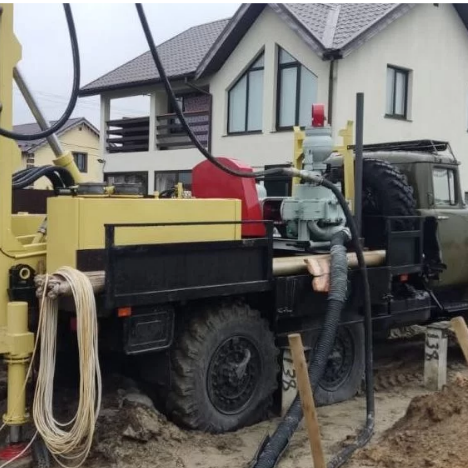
x=328, y=29
x=30, y=128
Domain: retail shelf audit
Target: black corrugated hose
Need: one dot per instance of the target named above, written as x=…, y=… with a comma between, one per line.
x=272, y=450
x=336, y=299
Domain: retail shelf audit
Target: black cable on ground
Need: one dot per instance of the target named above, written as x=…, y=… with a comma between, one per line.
x=74, y=94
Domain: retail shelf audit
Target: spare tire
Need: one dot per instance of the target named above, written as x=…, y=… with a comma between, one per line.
x=385, y=192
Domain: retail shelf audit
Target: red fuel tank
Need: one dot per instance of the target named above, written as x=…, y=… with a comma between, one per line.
x=210, y=182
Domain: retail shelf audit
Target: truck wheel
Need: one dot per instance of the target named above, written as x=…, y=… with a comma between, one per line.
x=385, y=192
x=343, y=374
x=224, y=370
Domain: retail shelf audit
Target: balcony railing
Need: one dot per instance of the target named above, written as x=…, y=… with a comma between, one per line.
x=132, y=135
x=128, y=135
x=171, y=135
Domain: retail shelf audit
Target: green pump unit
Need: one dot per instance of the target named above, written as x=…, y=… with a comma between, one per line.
x=313, y=214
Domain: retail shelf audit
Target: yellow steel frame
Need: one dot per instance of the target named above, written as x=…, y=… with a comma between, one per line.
x=348, y=162
x=298, y=156
x=16, y=234
x=348, y=158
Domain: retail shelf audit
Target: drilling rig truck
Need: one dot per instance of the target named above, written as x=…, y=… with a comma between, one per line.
x=202, y=292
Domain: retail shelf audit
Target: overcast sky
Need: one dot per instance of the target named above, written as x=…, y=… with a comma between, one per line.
x=109, y=35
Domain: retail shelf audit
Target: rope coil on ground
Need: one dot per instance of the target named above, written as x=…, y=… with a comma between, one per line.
x=69, y=442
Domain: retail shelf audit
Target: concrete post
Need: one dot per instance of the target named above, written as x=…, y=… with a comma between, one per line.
x=288, y=379
x=435, y=356
x=105, y=117
x=288, y=382
x=152, y=124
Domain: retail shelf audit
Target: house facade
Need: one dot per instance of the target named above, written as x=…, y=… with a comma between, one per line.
x=78, y=136
x=244, y=83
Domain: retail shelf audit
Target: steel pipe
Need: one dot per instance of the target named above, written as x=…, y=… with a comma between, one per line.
x=36, y=112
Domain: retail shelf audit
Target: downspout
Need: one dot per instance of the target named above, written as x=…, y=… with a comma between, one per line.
x=331, y=90
x=332, y=55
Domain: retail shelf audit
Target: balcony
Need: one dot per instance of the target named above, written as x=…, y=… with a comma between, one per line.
x=138, y=134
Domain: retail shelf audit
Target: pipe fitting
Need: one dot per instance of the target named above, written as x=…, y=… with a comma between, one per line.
x=326, y=233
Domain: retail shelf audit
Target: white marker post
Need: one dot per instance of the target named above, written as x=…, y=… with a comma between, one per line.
x=435, y=356
x=288, y=379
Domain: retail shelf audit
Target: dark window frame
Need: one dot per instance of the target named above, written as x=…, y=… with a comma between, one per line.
x=280, y=67
x=143, y=174
x=177, y=174
x=406, y=73
x=85, y=159
x=455, y=201
x=246, y=73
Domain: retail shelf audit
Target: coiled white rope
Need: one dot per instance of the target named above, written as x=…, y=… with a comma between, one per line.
x=69, y=442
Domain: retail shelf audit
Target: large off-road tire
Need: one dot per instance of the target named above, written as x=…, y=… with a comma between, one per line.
x=385, y=192
x=345, y=368
x=224, y=370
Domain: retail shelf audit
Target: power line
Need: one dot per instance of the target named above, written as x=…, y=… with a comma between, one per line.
x=55, y=98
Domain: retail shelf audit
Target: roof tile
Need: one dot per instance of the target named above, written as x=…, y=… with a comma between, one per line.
x=180, y=56
x=355, y=17
x=312, y=15
x=333, y=24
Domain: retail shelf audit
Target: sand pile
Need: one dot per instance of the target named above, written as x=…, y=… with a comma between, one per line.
x=433, y=433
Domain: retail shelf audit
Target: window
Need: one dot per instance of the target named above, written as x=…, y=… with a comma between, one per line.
x=397, y=92
x=245, y=100
x=81, y=160
x=167, y=180
x=297, y=91
x=444, y=186
x=128, y=178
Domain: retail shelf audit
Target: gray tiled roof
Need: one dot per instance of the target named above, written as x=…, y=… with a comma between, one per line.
x=312, y=15
x=180, y=56
x=30, y=128
x=355, y=17
x=352, y=18
x=332, y=26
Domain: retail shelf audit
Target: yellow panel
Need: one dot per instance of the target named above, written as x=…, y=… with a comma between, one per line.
x=78, y=223
x=62, y=232
x=26, y=224
x=348, y=162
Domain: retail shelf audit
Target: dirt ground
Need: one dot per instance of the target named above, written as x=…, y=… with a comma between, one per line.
x=132, y=434
x=414, y=428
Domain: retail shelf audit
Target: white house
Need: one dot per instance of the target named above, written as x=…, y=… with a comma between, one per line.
x=245, y=82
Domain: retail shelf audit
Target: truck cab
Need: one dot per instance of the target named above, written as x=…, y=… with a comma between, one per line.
x=431, y=170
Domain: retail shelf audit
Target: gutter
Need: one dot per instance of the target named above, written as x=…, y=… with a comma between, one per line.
x=85, y=92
